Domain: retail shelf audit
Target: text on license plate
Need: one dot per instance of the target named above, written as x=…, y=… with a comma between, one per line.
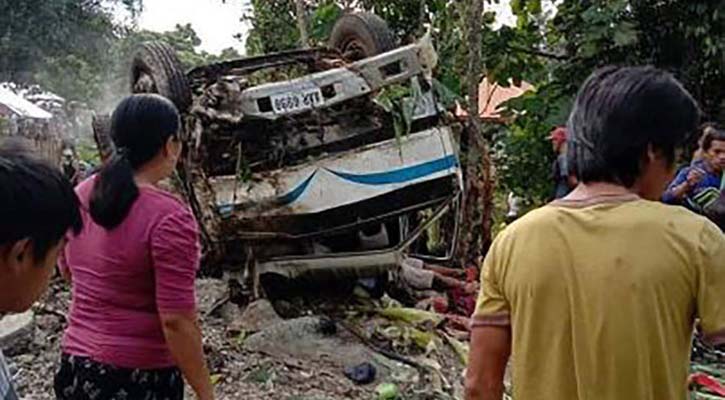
x=288, y=102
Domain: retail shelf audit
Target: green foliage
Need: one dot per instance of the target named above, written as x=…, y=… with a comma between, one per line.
x=407, y=18
x=397, y=101
x=87, y=152
x=183, y=39
x=323, y=20
x=76, y=49
x=557, y=53
x=273, y=27
x=62, y=38
x=71, y=74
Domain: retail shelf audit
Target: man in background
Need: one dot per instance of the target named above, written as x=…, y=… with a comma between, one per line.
x=562, y=174
x=698, y=186
x=37, y=208
x=70, y=166
x=596, y=294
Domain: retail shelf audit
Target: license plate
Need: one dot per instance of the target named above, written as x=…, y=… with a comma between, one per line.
x=303, y=100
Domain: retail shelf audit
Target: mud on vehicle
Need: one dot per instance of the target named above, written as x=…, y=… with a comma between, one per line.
x=307, y=175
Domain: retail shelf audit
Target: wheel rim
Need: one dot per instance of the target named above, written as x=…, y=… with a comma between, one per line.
x=144, y=83
x=353, y=50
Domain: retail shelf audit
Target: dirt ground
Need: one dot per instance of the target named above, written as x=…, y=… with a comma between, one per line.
x=287, y=362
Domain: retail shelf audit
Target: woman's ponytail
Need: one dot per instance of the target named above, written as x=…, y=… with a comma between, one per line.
x=114, y=192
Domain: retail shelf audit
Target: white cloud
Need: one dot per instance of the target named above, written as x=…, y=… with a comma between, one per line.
x=215, y=21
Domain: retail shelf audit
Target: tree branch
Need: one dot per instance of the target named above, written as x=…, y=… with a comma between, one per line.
x=540, y=53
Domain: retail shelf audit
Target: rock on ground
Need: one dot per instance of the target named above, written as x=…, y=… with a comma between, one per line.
x=255, y=317
x=16, y=331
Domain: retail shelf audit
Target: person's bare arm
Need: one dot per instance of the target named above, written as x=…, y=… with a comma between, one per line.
x=694, y=177
x=445, y=271
x=176, y=254
x=490, y=351
x=66, y=275
x=62, y=264
x=183, y=336
x=680, y=192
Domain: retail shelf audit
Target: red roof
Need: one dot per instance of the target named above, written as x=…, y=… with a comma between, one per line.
x=492, y=95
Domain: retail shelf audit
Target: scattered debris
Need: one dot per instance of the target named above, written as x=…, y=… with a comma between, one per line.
x=327, y=327
x=362, y=374
x=303, y=358
x=387, y=391
x=257, y=316
x=707, y=379
x=707, y=383
x=410, y=315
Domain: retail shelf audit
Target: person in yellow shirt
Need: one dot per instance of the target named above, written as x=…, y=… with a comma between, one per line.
x=595, y=296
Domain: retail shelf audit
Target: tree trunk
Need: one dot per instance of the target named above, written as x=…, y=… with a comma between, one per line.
x=479, y=185
x=473, y=79
x=302, y=24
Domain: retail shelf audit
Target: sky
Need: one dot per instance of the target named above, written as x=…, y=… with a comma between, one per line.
x=217, y=21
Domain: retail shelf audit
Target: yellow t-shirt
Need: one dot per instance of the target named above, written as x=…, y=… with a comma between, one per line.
x=601, y=298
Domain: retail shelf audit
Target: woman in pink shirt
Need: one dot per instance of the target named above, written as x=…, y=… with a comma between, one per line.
x=133, y=330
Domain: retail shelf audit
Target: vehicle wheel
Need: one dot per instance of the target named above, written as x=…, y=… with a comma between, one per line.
x=102, y=135
x=361, y=35
x=156, y=69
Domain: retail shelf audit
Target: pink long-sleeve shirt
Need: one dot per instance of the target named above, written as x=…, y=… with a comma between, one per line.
x=123, y=279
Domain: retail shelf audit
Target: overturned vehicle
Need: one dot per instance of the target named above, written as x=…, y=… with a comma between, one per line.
x=315, y=166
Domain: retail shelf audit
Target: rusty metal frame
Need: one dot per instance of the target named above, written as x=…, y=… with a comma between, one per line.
x=331, y=231
x=353, y=264
x=244, y=66
x=456, y=232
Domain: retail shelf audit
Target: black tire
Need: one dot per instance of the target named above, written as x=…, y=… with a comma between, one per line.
x=102, y=135
x=156, y=69
x=361, y=35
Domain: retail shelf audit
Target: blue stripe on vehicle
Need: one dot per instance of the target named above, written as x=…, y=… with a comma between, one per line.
x=227, y=209
x=401, y=175
x=295, y=193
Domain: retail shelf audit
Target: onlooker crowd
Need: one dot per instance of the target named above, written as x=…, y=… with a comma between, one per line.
x=596, y=293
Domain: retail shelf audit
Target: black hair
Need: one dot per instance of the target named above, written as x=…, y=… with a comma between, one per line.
x=140, y=127
x=36, y=201
x=711, y=134
x=619, y=113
